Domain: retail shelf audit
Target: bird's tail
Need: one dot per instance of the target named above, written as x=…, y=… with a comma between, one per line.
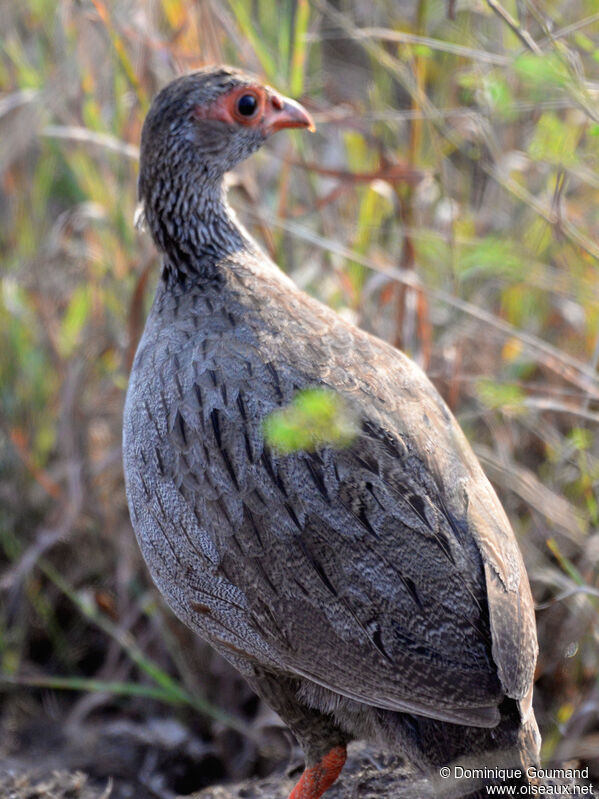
x=501, y=761
x=472, y=762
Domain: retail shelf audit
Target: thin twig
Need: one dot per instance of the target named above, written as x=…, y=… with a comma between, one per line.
x=575, y=26
x=523, y=35
x=526, y=485
x=87, y=136
x=11, y=101
x=402, y=37
x=587, y=590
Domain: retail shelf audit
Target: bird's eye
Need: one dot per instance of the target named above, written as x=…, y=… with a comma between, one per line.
x=247, y=105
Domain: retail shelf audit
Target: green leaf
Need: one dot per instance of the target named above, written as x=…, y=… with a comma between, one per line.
x=315, y=418
x=499, y=96
x=74, y=320
x=493, y=256
x=422, y=50
x=502, y=396
x=542, y=71
x=582, y=439
x=554, y=141
x=584, y=42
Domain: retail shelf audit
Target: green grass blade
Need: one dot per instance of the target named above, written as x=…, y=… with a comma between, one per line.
x=241, y=11
x=299, y=52
x=117, y=688
x=169, y=687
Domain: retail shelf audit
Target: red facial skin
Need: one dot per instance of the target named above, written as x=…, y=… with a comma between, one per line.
x=273, y=112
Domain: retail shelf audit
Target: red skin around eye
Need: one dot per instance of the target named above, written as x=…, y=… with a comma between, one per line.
x=273, y=112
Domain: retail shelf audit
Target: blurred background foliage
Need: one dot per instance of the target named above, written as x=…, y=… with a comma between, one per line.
x=448, y=202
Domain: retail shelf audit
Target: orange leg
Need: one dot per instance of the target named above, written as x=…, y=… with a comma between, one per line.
x=319, y=778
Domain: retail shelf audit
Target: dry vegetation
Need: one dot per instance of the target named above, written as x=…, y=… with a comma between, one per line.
x=449, y=201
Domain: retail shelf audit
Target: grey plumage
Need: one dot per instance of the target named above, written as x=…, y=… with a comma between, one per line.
x=375, y=590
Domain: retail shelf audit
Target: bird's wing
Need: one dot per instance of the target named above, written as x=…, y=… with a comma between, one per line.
x=469, y=497
x=361, y=570
x=385, y=571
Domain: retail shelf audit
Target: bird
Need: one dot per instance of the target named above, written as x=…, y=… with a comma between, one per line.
x=367, y=590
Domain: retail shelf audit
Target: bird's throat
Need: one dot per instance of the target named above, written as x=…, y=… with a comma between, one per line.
x=194, y=227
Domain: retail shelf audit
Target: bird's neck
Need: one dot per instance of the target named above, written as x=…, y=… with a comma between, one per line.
x=194, y=226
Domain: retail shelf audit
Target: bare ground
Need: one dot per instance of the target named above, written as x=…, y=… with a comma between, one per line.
x=368, y=775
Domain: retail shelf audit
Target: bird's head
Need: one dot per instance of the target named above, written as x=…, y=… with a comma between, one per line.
x=207, y=122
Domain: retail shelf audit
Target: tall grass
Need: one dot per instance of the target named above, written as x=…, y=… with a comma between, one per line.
x=448, y=202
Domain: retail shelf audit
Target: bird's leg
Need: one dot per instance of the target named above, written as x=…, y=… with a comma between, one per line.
x=317, y=779
x=319, y=735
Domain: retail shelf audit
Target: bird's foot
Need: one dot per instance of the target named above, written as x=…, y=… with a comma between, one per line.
x=317, y=779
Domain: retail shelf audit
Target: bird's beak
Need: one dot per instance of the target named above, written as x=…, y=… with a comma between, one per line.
x=282, y=112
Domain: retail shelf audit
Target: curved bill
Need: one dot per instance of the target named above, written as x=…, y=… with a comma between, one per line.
x=283, y=112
